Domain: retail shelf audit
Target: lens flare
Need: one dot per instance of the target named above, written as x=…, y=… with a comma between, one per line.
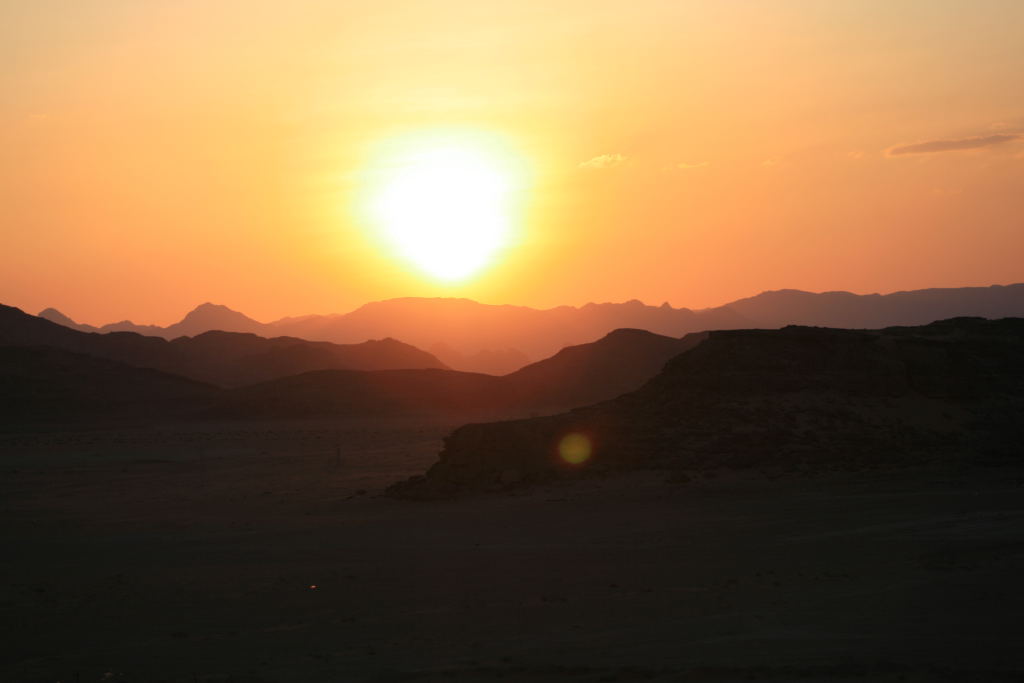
x=575, y=448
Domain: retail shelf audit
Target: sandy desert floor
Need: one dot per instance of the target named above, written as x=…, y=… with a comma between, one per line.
x=263, y=553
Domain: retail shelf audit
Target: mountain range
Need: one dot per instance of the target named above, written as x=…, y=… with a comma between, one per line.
x=52, y=372
x=241, y=374
x=475, y=337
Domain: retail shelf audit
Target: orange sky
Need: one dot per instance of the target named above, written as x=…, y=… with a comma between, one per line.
x=161, y=154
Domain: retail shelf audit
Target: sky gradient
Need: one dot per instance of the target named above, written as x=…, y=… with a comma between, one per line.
x=161, y=154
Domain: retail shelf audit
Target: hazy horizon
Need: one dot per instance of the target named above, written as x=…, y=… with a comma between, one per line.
x=189, y=309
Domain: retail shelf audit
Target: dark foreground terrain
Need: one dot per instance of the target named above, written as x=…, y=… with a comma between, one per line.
x=261, y=552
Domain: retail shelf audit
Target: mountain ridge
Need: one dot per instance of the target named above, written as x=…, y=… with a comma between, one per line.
x=500, y=338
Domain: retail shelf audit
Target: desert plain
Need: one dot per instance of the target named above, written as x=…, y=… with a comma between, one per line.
x=268, y=551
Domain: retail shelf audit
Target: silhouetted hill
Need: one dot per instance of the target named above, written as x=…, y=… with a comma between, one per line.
x=55, y=316
x=578, y=375
x=225, y=358
x=207, y=317
x=39, y=383
x=234, y=359
x=873, y=311
x=471, y=336
x=793, y=398
x=129, y=326
x=18, y=328
x=204, y=318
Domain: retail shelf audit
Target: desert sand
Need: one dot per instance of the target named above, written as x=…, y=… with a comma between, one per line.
x=265, y=552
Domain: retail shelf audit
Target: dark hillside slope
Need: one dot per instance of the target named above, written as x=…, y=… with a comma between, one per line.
x=383, y=392
x=43, y=384
x=792, y=398
x=587, y=373
x=236, y=359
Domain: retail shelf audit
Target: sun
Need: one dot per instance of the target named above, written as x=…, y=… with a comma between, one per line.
x=447, y=203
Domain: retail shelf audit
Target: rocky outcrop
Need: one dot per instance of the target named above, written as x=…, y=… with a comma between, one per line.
x=799, y=397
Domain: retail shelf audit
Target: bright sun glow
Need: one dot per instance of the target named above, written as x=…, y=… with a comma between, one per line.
x=446, y=203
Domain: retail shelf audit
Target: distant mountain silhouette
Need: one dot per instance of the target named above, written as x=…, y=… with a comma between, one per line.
x=477, y=337
x=55, y=316
x=223, y=358
x=47, y=384
x=204, y=318
x=874, y=311
x=793, y=398
x=207, y=317
x=579, y=375
x=469, y=327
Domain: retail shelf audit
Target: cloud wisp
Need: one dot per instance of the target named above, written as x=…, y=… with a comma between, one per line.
x=934, y=146
x=603, y=161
